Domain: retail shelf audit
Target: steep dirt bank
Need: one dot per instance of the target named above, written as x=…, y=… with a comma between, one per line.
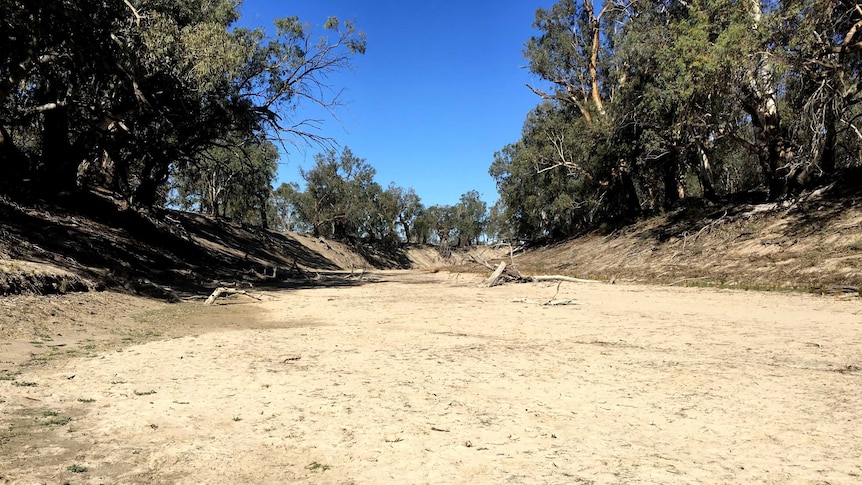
x=813, y=243
x=172, y=255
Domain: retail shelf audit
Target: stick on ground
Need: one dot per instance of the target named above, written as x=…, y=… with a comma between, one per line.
x=229, y=291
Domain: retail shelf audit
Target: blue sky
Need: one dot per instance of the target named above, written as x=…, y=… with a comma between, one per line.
x=439, y=90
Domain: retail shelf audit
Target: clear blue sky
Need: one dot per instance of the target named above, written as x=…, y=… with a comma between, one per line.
x=439, y=90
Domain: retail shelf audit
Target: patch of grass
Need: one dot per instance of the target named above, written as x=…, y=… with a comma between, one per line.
x=316, y=466
x=7, y=378
x=118, y=382
x=58, y=421
x=752, y=227
x=237, y=419
x=24, y=384
x=39, y=359
x=145, y=393
x=86, y=400
x=49, y=414
x=749, y=286
x=77, y=468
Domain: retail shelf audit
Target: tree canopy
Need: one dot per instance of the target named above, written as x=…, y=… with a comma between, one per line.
x=646, y=104
x=125, y=95
x=342, y=200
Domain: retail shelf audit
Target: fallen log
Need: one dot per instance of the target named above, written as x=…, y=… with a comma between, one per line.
x=227, y=291
x=482, y=262
x=495, y=277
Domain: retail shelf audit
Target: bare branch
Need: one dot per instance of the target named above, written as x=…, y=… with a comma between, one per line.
x=134, y=12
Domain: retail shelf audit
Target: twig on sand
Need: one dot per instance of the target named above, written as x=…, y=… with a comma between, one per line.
x=552, y=302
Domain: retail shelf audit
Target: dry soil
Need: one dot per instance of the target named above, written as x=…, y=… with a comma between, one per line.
x=420, y=377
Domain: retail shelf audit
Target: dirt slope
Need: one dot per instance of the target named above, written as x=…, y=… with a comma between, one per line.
x=171, y=254
x=812, y=243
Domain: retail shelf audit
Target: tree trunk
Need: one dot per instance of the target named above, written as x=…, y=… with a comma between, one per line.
x=153, y=175
x=827, y=154
x=624, y=187
x=704, y=173
x=406, y=228
x=14, y=162
x=595, y=23
x=670, y=179
x=771, y=146
x=59, y=169
x=770, y=140
x=264, y=219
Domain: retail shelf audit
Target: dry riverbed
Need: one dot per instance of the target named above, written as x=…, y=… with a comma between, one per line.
x=418, y=377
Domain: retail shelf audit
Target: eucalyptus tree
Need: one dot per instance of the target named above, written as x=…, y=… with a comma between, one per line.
x=422, y=230
x=339, y=196
x=381, y=223
x=575, y=54
x=542, y=196
x=410, y=210
x=499, y=228
x=232, y=179
x=820, y=43
x=121, y=94
x=681, y=100
x=470, y=218
x=288, y=204
x=441, y=221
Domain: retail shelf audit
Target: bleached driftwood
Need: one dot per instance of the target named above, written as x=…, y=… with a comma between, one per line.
x=536, y=279
x=494, y=279
x=500, y=274
x=511, y=274
x=553, y=302
x=227, y=291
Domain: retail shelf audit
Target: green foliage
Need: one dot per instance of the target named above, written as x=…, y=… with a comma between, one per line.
x=440, y=220
x=499, y=227
x=410, y=211
x=653, y=102
x=125, y=94
x=338, y=194
x=461, y=224
x=341, y=200
x=557, y=179
x=470, y=218
x=232, y=179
